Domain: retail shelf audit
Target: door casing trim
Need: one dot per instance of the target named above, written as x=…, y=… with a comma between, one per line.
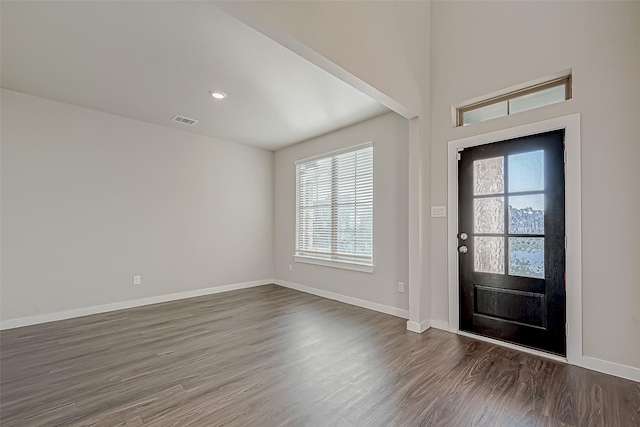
x=571, y=125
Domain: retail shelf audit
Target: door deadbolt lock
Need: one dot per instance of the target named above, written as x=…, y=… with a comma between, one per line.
x=463, y=236
x=463, y=249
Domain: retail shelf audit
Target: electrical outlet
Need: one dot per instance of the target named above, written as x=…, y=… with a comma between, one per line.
x=137, y=280
x=290, y=267
x=401, y=287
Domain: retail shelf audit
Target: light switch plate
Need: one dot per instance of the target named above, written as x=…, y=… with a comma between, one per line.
x=438, y=211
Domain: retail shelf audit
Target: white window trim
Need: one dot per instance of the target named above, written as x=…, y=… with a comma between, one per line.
x=335, y=152
x=347, y=265
x=335, y=263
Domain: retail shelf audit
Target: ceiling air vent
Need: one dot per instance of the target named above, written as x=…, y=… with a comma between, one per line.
x=184, y=120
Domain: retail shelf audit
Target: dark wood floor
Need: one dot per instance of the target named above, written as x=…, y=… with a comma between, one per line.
x=271, y=356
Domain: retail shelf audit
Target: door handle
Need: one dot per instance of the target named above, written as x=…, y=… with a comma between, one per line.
x=462, y=249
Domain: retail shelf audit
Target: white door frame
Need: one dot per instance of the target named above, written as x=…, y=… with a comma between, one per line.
x=571, y=125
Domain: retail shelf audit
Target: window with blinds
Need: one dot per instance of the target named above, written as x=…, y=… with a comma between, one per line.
x=334, y=206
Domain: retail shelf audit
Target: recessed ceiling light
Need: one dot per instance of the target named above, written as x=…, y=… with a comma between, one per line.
x=218, y=95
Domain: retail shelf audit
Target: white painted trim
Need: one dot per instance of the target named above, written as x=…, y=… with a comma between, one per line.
x=394, y=311
x=513, y=346
x=334, y=153
x=86, y=311
x=510, y=89
x=573, y=215
x=346, y=265
x=416, y=223
x=440, y=324
x=418, y=327
x=611, y=368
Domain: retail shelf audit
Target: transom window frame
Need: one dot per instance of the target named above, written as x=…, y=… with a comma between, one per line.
x=334, y=259
x=565, y=81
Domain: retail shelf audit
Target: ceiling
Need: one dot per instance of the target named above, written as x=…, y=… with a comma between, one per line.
x=153, y=60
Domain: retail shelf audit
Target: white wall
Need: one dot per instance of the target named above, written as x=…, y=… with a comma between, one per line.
x=389, y=134
x=482, y=47
x=382, y=49
x=90, y=199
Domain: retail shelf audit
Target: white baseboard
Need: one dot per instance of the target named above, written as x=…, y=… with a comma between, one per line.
x=611, y=368
x=440, y=324
x=78, y=312
x=346, y=299
x=418, y=327
x=426, y=324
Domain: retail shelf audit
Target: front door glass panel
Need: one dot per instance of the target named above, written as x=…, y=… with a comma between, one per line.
x=488, y=215
x=526, y=172
x=488, y=176
x=525, y=215
x=489, y=254
x=526, y=256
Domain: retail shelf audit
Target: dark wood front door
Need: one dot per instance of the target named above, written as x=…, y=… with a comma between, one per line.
x=511, y=241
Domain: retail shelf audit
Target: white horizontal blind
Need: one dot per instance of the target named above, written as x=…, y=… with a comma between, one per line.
x=334, y=206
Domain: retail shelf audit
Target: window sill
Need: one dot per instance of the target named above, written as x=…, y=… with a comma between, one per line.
x=365, y=268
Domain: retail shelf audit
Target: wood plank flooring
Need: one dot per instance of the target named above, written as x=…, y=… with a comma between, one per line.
x=271, y=356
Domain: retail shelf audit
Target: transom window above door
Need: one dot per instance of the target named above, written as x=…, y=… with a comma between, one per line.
x=516, y=101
